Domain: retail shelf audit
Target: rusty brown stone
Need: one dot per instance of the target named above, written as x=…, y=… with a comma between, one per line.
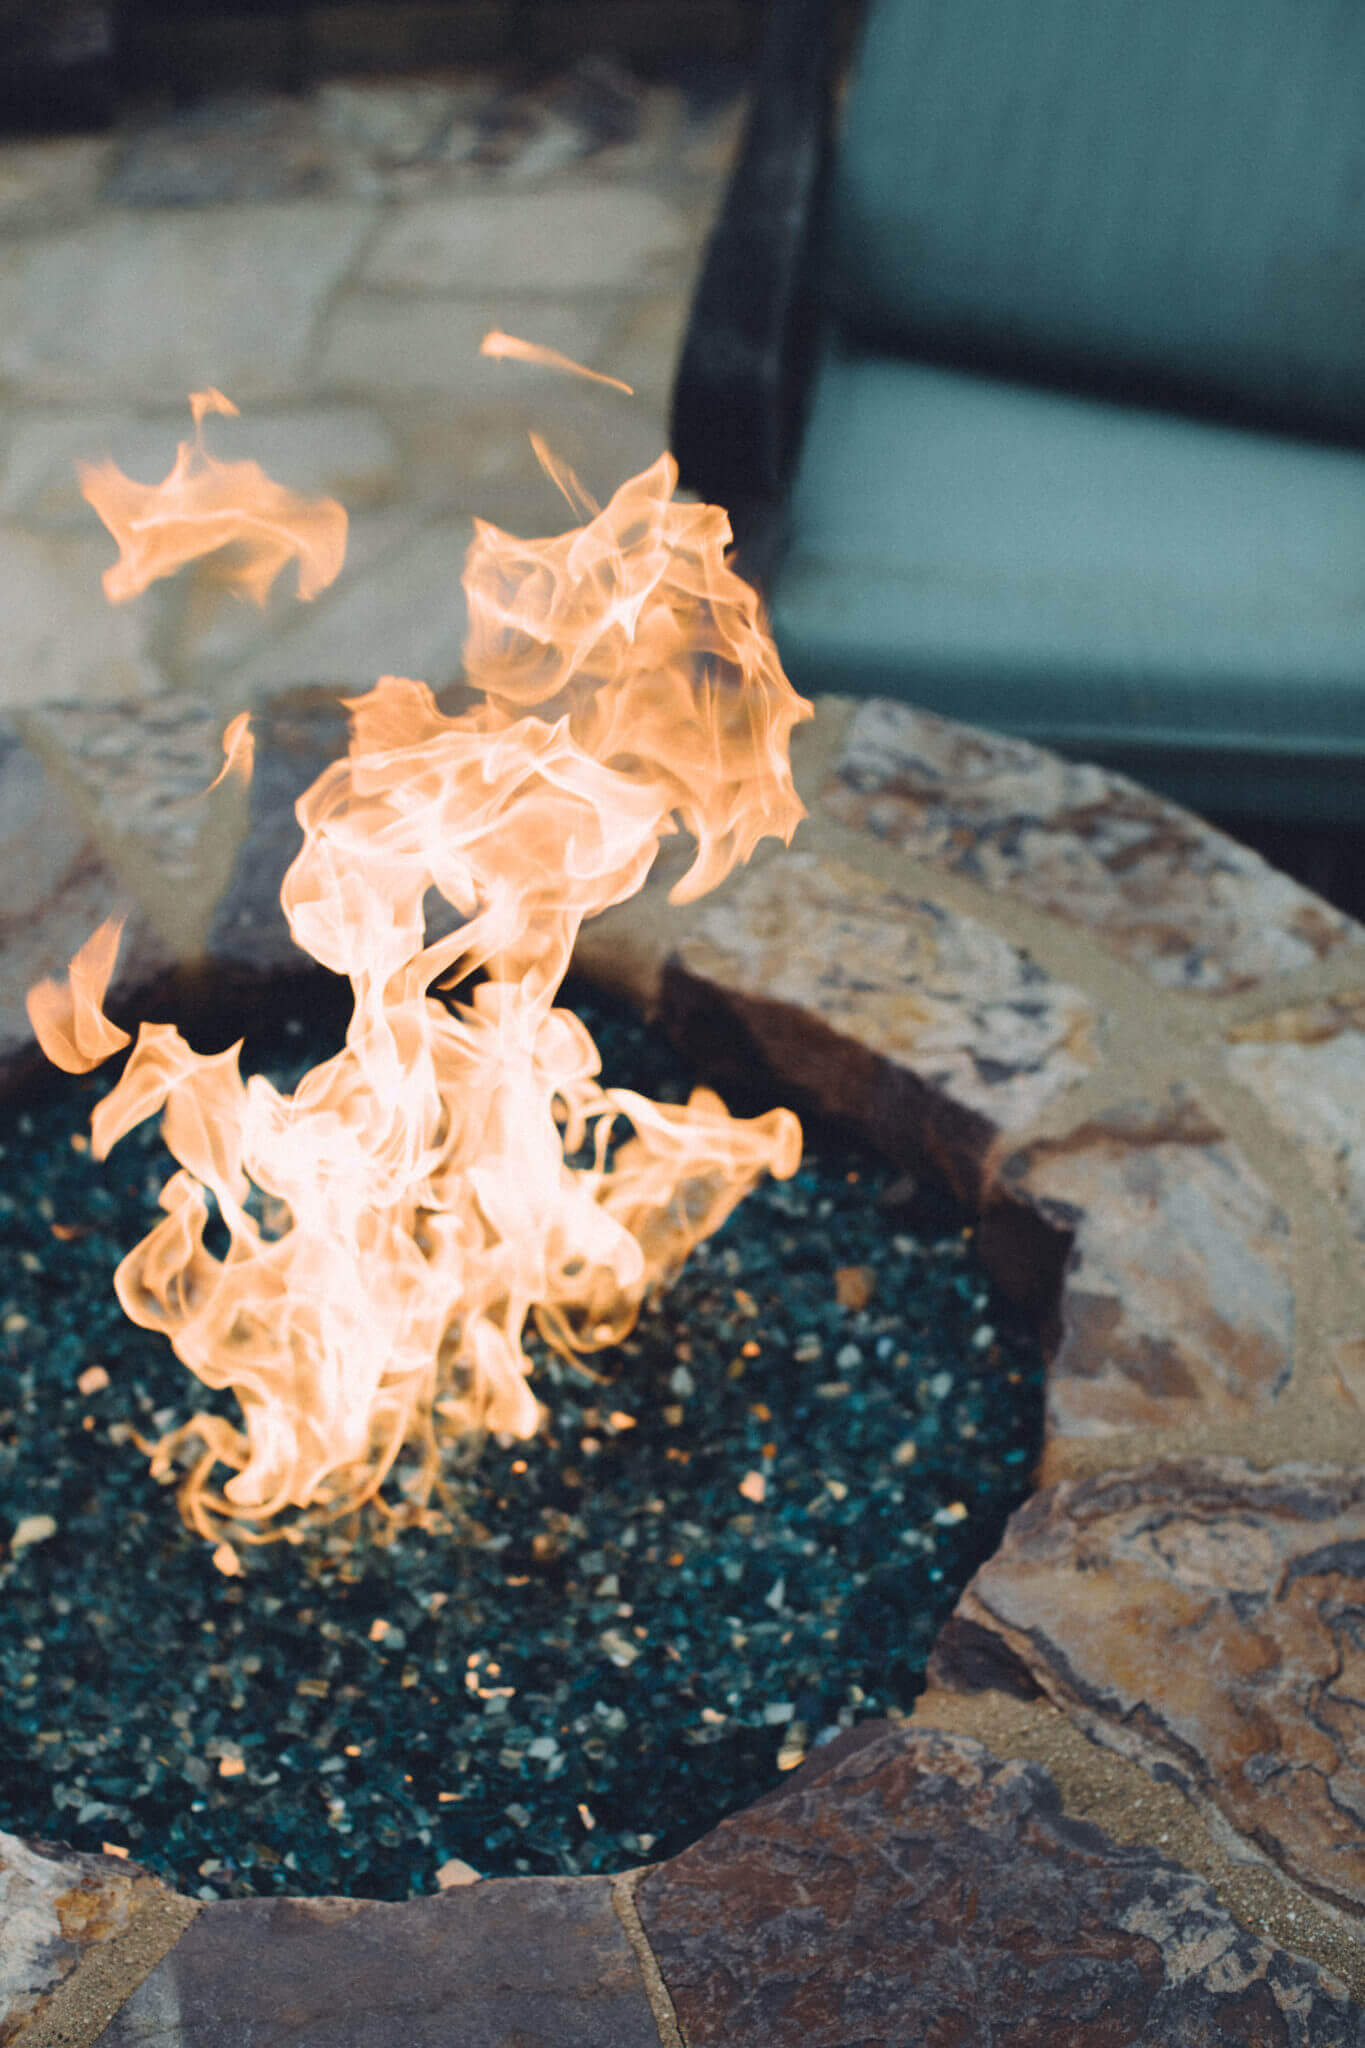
x=1152, y=883
x=1207, y=1620
x=1176, y=1304
x=55, y=1905
x=919, y=1893
x=931, y=1032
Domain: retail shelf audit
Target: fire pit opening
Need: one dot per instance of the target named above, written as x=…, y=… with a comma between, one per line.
x=740, y=1536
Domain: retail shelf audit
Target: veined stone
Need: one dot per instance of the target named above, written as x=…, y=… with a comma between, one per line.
x=920, y=1890
x=1203, y=1618
x=1307, y=1066
x=1176, y=1303
x=920, y=1023
x=1187, y=906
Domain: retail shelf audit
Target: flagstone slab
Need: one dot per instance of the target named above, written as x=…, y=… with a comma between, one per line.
x=930, y=1031
x=920, y=1892
x=1306, y=1066
x=539, y=1962
x=150, y=305
x=1182, y=903
x=56, y=1905
x=1176, y=1305
x=1207, y=1620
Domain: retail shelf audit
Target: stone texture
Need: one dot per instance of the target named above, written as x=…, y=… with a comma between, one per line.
x=1176, y=1306
x=231, y=148
x=149, y=306
x=932, y=1032
x=535, y=1962
x=403, y=615
x=340, y=451
x=297, y=735
x=564, y=239
x=1307, y=1068
x=398, y=346
x=1207, y=1620
x=56, y=1905
x=143, y=773
x=57, y=888
x=919, y=1893
x=61, y=638
x=1183, y=904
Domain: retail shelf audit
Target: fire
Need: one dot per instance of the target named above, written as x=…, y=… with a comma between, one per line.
x=457, y=1169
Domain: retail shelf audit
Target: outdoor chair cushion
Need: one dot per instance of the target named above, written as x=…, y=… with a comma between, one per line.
x=1115, y=581
x=1141, y=192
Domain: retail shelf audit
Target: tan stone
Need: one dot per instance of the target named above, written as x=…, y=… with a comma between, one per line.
x=51, y=181
x=1187, y=906
x=567, y=238
x=379, y=344
x=1203, y=1618
x=927, y=1028
x=149, y=306
x=61, y=639
x=1307, y=1068
x=1176, y=1305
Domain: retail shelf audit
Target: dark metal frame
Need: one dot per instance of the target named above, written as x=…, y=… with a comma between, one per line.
x=745, y=369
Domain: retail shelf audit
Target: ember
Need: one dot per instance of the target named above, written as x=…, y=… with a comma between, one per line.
x=454, y=1170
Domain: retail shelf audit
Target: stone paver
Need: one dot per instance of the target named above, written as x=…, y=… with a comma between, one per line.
x=1209, y=1620
x=55, y=1907
x=561, y=240
x=1307, y=1066
x=881, y=1005
x=397, y=347
x=61, y=640
x=539, y=1962
x=920, y=1892
x=1177, y=1306
x=1187, y=906
x=149, y=306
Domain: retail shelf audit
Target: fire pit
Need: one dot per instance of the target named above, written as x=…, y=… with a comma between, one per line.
x=1126, y=1046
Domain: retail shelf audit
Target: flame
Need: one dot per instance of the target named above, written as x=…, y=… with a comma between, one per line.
x=203, y=505
x=239, y=752
x=68, y=1020
x=458, y=1169
x=509, y=348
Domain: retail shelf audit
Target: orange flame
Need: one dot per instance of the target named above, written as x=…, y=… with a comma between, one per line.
x=509, y=348
x=239, y=751
x=203, y=505
x=68, y=1020
x=457, y=1169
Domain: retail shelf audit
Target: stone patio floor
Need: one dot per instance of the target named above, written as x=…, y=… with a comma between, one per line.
x=1129, y=1806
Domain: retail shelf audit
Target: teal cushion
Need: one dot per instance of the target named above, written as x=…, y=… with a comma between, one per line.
x=1184, y=599
x=1160, y=190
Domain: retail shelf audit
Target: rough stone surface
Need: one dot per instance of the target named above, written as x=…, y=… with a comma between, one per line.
x=1182, y=903
x=405, y=615
x=297, y=735
x=535, y=1962
x=61, y=639
x=402, y=346
x=919, y=1893
x=55, y=1904
x=56, y=890
x=1177, y=1305
x=147, y=306
x=144, y=774
x=594, y=238
x=867, y=997
x=1207, y=1620
x=1307, y=1067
